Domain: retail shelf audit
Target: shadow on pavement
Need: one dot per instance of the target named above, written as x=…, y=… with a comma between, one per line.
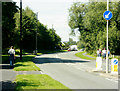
x=56, y=60
x=7, y=85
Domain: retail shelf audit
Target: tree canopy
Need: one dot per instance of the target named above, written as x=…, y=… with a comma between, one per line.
x=8, y=23
x=47, y=39
x=88, y=18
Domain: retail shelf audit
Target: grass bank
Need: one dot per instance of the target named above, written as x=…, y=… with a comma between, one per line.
x=41, y=81
x=80, y=54
x=25, y=64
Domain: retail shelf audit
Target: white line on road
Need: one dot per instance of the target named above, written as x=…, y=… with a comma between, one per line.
x=114, y=80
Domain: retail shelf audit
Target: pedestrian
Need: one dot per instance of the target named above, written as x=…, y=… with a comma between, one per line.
x=12, y=55
x=104, y=53
x=108, y=52
x=98, y=53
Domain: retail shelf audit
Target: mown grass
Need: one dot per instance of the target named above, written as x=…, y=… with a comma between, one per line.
x=25, y=64
x=118, y=58
x=35, y=81
x=80, y=54
x=91, y=55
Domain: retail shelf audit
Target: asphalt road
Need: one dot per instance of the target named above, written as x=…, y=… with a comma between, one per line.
x=73, y=72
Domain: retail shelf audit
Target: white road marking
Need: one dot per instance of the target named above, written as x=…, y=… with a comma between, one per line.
x=114, y=80
x=56, y=56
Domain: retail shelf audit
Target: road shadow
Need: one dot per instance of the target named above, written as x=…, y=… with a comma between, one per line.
x=53, y=52
x=56, y=60
x=7, y=85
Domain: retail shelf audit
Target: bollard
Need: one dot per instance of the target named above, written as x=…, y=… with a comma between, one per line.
x=114, y=66
x=98, y=63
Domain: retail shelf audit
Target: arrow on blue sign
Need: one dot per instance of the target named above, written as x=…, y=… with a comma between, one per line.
x=107, y=15
x=115, y=62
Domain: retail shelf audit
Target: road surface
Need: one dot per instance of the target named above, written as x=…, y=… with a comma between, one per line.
x=73, y=72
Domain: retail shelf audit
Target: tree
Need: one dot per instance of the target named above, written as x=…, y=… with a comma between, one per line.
x=47, y=39
x=29, y=23
x=8, y=24
x=76, y=14
x=93, y=31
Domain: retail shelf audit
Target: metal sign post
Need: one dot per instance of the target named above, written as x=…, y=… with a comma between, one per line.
x=107, y=15
x=107, y=51
x=107, y=40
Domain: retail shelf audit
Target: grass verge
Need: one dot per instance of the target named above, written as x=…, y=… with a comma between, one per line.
x=41, y=81
x=80, y=54
x=118, y=58
x=91, y=55
x=25, y=64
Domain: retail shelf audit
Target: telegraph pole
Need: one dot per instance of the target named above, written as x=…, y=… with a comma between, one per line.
x=20, y=29
x=36, y=33
x=52, y=30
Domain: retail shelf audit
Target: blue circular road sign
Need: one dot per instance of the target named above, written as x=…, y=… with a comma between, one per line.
x=115, y=62
x=107, y=15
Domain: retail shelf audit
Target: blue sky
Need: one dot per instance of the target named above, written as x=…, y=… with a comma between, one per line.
x=53, y=12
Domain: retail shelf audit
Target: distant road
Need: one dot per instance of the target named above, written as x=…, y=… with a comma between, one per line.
x=73, y=72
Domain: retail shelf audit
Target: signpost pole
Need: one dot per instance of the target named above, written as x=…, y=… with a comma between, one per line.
x=107, y=40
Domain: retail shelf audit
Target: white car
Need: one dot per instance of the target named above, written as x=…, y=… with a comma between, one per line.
x=73, y=48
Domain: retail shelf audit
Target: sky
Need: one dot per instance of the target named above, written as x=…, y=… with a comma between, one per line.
x=53, y=12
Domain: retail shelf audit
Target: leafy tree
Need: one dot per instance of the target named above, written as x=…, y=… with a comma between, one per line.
x=76, y=14
x=8, y=24
x=93, y=31
x=47, y=39
x=29, y=23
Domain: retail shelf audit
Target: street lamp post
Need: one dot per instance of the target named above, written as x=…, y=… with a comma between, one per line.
x=20, y=29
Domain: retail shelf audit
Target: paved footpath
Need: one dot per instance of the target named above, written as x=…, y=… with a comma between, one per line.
x=102, y=73
x=8, y=76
